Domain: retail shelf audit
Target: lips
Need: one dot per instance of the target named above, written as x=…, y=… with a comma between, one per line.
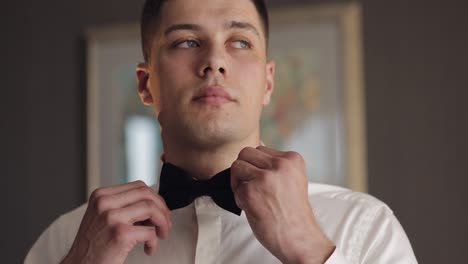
x=213, y=95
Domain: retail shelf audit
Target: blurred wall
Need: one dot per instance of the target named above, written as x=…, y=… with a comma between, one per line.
x=416, y=80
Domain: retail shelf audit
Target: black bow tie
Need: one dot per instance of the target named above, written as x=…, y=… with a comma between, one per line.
x=179, y=189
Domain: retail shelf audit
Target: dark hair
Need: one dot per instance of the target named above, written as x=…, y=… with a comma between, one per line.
x=151, y=14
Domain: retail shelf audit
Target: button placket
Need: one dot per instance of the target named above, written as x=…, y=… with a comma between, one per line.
x=209, y=231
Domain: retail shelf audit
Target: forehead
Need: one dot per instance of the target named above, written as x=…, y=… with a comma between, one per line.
x=208, y=13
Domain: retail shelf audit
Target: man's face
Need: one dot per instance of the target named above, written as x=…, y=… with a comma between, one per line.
x=208, y=74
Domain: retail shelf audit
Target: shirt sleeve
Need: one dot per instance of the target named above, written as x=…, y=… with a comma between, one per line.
x=386, y=241
x=336, y=258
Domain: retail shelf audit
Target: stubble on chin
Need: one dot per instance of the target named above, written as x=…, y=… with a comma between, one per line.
x=210, y=133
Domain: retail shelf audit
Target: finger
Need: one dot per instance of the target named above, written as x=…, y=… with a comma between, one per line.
x=245, y=196
x=271, y=151
x=147, y=235
x=280, y=156
x=162, y=203
x=289, y=155
x=132, y=196
x=104, y=191
x=242, y=171
x=258, y=158
x=145, y=210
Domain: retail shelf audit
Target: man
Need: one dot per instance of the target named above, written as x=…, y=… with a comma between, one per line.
x=207, y=76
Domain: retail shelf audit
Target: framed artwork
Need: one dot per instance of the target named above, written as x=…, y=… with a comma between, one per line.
x=317, y=107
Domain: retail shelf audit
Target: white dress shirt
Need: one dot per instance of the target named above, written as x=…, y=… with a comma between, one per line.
x=363, y=229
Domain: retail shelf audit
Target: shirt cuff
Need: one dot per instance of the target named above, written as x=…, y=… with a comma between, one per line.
x=336, y=258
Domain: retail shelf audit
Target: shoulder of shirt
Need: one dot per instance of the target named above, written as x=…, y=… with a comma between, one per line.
x=71, y=220
x=78, y=212
x=333, y=195
x=56, y=240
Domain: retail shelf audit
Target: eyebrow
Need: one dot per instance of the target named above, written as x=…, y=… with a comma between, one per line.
x=176, y=27
x=195, y=27
x=243, y=25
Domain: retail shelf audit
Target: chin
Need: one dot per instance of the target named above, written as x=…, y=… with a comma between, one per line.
x=213, y=134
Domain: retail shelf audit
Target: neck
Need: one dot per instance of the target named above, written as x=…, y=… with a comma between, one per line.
x=203, y=163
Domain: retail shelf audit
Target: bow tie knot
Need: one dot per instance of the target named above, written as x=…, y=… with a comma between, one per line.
x=202, y=188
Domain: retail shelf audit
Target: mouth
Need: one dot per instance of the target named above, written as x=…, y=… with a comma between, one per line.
x=213, y=95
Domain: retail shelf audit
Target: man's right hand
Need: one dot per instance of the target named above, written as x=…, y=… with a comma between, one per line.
x=117, y=218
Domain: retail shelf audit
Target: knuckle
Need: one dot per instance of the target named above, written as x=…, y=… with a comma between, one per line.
x=235, y=165
x=120, y=233
x=96, y=194
x=293, y=155
x=140, y=183
x=244, y=152
x=262, y=175
x=160, y=199
x=110, y=217
x=149, y=204
x=101, y=203
x=278, y=163
x=148, y=192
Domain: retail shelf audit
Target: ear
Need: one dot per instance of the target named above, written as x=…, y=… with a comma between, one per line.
x=142, y=75
x=270, y=82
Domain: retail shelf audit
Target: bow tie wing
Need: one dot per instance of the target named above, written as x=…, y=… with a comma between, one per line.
x=175, y=187
x=221, y=192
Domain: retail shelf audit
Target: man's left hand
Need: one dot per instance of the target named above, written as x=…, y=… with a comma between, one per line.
x=271, y=187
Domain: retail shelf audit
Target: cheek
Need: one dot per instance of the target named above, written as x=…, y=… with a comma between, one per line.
x=175, y=77
x=250, y=75
x=174, y=69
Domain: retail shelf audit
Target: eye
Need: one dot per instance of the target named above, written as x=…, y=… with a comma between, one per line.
x=241, y=44
x=187, y=44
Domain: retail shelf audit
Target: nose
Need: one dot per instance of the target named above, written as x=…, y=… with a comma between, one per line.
x=213, y=62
